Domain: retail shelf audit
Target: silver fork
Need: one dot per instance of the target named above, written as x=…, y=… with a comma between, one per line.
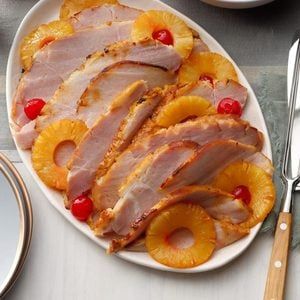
x=279, y=258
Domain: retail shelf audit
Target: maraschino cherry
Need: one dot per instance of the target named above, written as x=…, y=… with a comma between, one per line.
x=230, y=106
x=163, y=36
x=82, y=207
x=243, y=193
x=33, y=108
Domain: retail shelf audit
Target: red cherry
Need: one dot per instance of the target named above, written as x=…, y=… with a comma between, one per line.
x=207, y=78
x=242, y=192
x=33, y=108
x=230, y=106
x=163, y=36
x=82, y=207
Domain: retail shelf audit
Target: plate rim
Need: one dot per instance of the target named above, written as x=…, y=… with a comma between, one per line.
x=240, y=4
x=127, y=255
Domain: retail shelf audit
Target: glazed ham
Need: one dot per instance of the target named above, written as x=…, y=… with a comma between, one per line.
x=221, y=90
x=220, y=205
x=147, y=181
x=54, y=63
x=199, y=46
x=211, y=160
x=227, y=233
x=96, y=16
x=202, y=131
x=88, y=103
x=67, y=99
x=91, y=151
x=115, y=79
x=144, y=183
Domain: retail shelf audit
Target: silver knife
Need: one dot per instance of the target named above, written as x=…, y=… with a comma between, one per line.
x=290, y=174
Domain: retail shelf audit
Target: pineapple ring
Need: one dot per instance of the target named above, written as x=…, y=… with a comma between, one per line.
x=183, y=107
x=188, y=216
x=40, y=37
x=258, y=182
x=43, y=151
x=71, y=7
x=209, y=64
x=154, y=20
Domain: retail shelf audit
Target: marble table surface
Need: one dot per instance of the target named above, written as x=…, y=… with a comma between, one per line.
x=63, y=264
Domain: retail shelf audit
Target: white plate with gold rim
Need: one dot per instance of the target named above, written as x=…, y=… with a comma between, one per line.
x=237, y=4
x=47, y=10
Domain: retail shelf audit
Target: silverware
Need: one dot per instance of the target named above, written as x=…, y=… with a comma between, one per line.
x=295, y=151
x=290, y=173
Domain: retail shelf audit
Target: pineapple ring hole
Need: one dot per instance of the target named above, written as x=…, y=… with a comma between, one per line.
x=181, y=238
x=63, y=152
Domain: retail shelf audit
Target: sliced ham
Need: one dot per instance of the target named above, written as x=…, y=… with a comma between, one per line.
x=202, y=131
x=199, y=46
x=230, y=89
x=211, y=159
x=65, y=103
x=139, y=111
x=221, y=90
x=96, y=16
x=55, y=62
x=197, y=168
x=109, y=83
x=262, y=162
x=227, y=233
x=79, y=97
x=91, y=151
x=220, y=205
x=144, y=184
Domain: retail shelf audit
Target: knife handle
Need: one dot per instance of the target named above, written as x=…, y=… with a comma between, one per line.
x=278, y=263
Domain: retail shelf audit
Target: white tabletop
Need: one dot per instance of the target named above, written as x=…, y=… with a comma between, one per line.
x=64, y=264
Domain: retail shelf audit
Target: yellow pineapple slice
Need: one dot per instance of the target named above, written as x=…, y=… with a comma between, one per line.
x=182, y=108
x=45, y=146
x=206, y=64
x=40, y=37
x=259, y=184
x=71, y=7
x=189, y=252
x=148, y=24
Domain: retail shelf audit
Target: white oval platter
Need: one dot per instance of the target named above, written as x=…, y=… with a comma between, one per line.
x=47, y=10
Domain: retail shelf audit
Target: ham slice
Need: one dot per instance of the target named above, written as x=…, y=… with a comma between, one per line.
x=91, y=151
x=142, y=188
x=211, y=160
x=199, y=46
x=218, y=204
x=221, y=90
x=116, y=78
x=54, y=63
x=227, y=233
x=67, y=99
x=147, y=182
x=202, y=131
x=96, y=16
x=77, y=99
